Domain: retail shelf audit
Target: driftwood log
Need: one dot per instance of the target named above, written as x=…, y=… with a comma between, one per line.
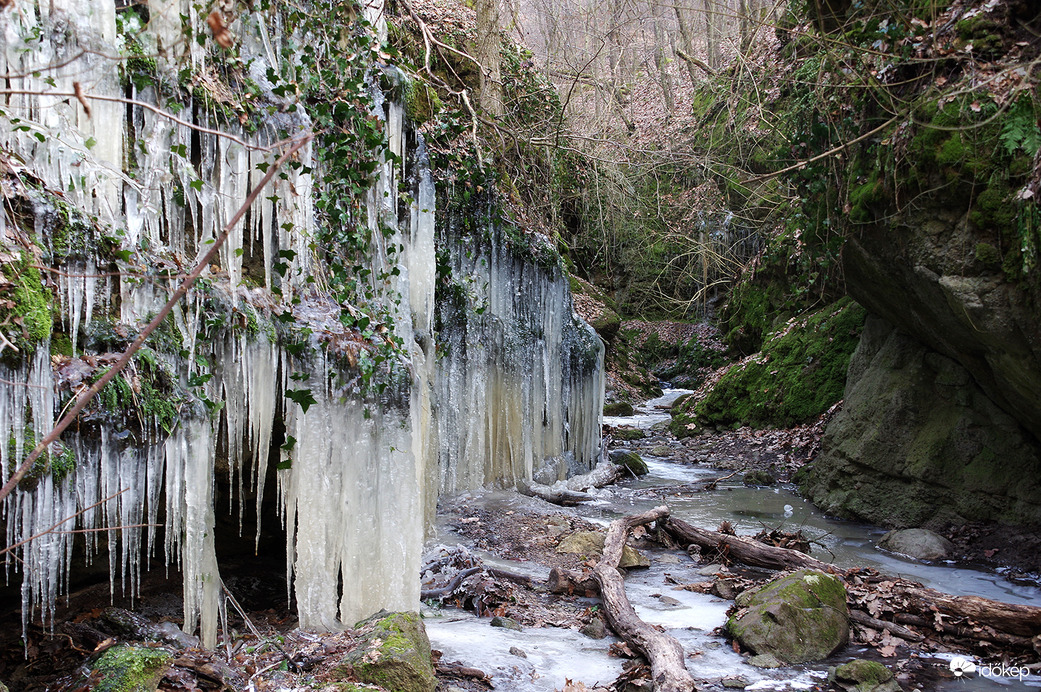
x=1002, y=623
x=572, y=491
x=665, y=654
x=743, y=549
x=552, y=493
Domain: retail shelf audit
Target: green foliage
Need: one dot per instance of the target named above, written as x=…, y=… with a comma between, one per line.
x=800, y=372
x=143, y=397
x=58, y=460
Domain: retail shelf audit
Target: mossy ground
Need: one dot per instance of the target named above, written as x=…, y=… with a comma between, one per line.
x=129, y=669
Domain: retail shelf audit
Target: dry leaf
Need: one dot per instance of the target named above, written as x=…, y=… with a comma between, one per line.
x=82, y=99
x=221, y=34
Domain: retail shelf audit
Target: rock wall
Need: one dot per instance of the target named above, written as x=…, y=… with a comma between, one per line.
x=919, y=442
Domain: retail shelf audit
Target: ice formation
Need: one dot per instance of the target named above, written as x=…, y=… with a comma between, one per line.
x=508, y=386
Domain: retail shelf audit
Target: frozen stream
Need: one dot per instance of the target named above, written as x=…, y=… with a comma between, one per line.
x=554, y=655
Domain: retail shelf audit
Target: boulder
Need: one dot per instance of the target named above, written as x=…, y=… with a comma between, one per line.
x=591, y=544
x=799, y=617
x=629, y=459
x=506, y=623
x=618, y=408
x=628, y=434
x=125, y=668
x=860, y=675
x=918, y=443
x=393, y=652
x=921, y=544
x=759, y=477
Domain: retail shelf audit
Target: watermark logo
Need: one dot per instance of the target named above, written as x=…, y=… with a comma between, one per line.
x=963, y=666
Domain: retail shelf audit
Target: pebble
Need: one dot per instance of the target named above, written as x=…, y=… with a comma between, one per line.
x=508, y=623
x=518, y=652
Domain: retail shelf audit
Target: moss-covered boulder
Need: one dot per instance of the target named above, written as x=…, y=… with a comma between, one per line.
x=799, y=617
x=628, y=434
x=125, y=668
x=629, y=459
x=918, y=443
x=591, y=544
x=619, y=408
x=393, y=652
x=860, y=675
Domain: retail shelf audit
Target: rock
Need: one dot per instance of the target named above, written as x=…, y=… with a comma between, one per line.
x=125, y=668
x=595, y=629
x=628, y=434
x=918, y=443
x=629, y=459
x=3, y=688
x=860, y=675
x=710, y=570
x=667, y=559
x=393, y=652
x=921, y=544
x=670, y=602
x=516, y=651
x=661, y=451
x=765, y=661
x=591, y=544
x=726, y=589
x=507, y=623
x=170, y=633
x=618, y=408
x=735, y=683
x=799, y=617
x=759, y=477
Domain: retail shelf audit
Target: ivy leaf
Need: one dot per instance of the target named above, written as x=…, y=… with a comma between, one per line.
x=302, y=397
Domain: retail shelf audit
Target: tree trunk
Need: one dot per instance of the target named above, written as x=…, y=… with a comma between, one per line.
x=659, y=58
x=688, y=44
x=489, y=42
x=712, y=49
x=664, y=653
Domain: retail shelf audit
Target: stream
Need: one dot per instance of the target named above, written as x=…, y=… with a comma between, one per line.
x=554, y=655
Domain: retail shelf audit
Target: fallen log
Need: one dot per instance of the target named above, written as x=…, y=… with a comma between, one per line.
x=1011, y=618
x=572, y=582
x=606, y=473
x=552, y=493
x=742, y=549
x=445, y=591
x=862, y=618
x=664, y=653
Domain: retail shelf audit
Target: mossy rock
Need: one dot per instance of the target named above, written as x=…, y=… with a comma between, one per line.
x=798, y=618
x=393, y=652
x=628, y=434
x=129, y=669
x=619, y=408
x=629, y=459
x=860, y=675
x=759, y=477
x=591, y=544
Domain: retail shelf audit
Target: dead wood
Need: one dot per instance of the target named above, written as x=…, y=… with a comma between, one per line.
x=553, y=494
x=606, y=473
x=745, y=550
x=664, y=653
x=862, y=618
x=1011, y=618
x=448, y=589
x=572, y=582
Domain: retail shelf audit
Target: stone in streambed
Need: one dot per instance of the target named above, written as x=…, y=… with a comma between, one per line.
x=591, y=544
x=860, y=675
x=631, y=460
x=595, y=629
x=506, y=623
x=798, y=618
x=618, y=408
x=393, y=652
x=125, y=668
x=921, y=544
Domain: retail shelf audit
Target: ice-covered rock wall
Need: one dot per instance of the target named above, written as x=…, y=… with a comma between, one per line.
x=491, y=382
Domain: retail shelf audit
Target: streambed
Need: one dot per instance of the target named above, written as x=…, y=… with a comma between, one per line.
x=551, y=656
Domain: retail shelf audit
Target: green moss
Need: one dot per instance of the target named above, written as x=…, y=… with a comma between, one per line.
x=31, y=309
x=59, y=460
x=800, y=372
x=628, y=434
x=861, y=199
x=130, y=669
x=394, y=653
x=988, y=255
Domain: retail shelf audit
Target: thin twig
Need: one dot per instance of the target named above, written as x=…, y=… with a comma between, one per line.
x=181, y=291
x=11, y=547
